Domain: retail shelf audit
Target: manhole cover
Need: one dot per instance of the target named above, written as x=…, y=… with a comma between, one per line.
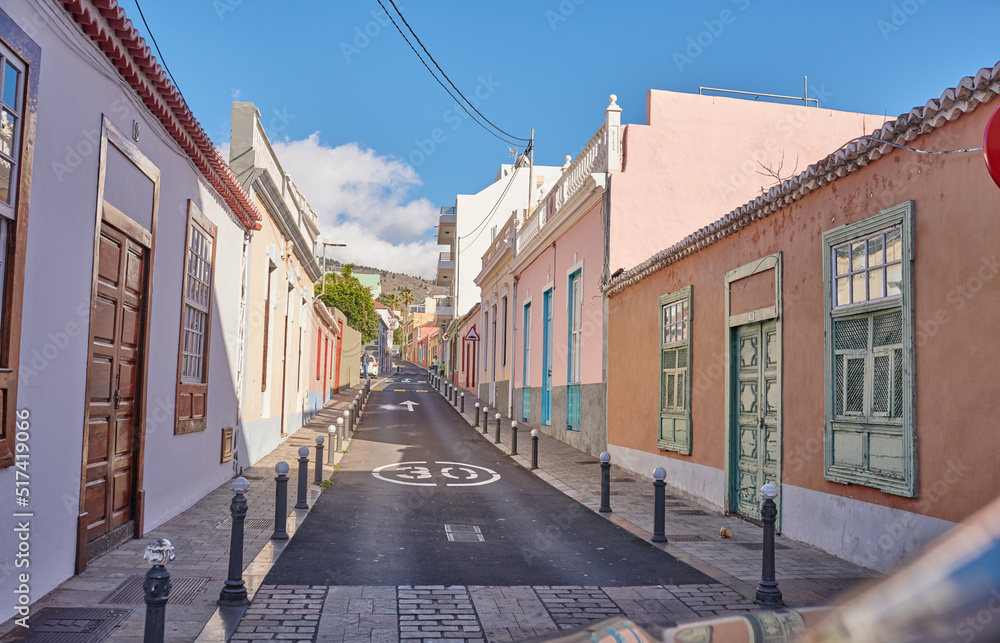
x=688, y=538
x=258, y=524
x=69, y=625
x=183, y=591
x=690, y=512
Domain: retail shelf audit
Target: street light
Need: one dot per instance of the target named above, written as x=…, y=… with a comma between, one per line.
x=336, y=243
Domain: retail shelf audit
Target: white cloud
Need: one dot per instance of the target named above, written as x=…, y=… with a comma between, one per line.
x=361, y=197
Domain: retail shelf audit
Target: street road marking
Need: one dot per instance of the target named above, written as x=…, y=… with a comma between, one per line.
x=399, y=390
x=425, y=391
x=409, y=405
x=408, y=473
x=464, y=534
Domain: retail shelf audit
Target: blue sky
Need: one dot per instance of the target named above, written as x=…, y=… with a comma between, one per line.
x=355, y=112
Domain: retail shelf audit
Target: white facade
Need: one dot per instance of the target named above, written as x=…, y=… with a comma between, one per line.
x=94, y=137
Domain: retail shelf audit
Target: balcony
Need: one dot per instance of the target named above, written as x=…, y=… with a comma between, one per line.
x=446, y=269
x=447, y=226
x=445, y=309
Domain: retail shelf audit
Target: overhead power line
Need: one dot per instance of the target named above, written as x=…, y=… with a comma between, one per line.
x=158, y=52
x=489, y=217
x=417, y=38
x=506, y=138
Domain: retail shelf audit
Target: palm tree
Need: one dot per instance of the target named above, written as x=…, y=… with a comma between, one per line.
x=405, y=299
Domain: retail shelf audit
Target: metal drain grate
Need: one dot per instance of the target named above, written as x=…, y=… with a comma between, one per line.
x=689, y=512
x=464, y=534
x=259, y=524
x=760, y=546
x=183, y=591
x=688, y=538
x=69, y=625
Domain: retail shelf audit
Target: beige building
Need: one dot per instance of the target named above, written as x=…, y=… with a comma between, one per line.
x=282, y=270
x=496, y=286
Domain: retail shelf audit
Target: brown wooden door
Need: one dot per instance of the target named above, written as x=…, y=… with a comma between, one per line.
x=114, y=382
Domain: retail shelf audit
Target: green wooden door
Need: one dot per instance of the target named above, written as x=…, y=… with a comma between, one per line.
x=756, y=431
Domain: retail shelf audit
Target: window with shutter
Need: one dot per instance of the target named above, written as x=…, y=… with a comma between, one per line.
x=196, y=323
x=870, y=397
x=674, y=432
x=19, y=57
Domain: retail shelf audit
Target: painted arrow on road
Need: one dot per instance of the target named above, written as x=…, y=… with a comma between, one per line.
x=409, y=405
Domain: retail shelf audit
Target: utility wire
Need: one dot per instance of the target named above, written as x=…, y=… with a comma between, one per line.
x=489, y=216
x=460, y=104
x=913, y=149
x=417, y=38
x=158, y=52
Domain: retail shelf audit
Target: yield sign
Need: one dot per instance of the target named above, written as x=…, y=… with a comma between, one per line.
x=471, y=335
x=409, y=405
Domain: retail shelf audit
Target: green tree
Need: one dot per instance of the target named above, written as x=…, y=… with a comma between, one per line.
x=397, y=336
x=346, y=293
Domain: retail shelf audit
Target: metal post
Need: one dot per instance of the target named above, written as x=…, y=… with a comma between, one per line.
x=476, y=424
x=659, y=496
x=513, y=438
x=768, y=593
x=340, y=435
x=234, y=592
x=534, y=449
x=318, y=474
x=497, y=439
x=350, y=416
x=303, y=478
x=280, y=501
x=329, y=454
x=486, y=420
x=156, y=588
x=462, y=407
x=605, y=483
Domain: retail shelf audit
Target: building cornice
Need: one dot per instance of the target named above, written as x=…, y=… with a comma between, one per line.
x=578, y=205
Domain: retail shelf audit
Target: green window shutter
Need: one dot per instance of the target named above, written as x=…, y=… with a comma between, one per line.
x=870, y=433
x=674, y=430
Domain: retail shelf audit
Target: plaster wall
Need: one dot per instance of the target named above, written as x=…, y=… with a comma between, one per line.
x=75, y=89
x=956, y=300
x=697, y=157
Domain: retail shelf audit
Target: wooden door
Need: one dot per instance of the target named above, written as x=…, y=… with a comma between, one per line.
x=757, y=397
x=114, y=382
x=547, y=358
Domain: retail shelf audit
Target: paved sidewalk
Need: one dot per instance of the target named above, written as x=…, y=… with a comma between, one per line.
x=392, y=614
x=109, y=591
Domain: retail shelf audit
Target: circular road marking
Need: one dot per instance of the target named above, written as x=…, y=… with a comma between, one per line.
x=420, y=473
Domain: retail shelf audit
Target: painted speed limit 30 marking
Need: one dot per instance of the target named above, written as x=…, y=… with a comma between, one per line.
x=422, y=474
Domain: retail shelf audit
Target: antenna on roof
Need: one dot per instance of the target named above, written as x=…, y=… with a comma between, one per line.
x=804, y=98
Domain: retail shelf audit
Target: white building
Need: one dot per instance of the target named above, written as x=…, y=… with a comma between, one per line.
x=120, y=400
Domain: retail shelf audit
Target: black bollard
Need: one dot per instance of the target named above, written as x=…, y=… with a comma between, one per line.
x=605, y=483
x=486, y=420
x=768, y=593
x=462, y=408
x=318, y=475
x=156, y=589
x=476, y=424
x=234, y=592
x=513, y=438
x=497, y=439
x=350, y=416
x=534, y=449
x=333, y=440
x=659, y=497
x=280, y=501
x=303, y=478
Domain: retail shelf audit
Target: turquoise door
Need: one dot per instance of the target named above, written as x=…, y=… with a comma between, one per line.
x=756, y=430
x=547, y=359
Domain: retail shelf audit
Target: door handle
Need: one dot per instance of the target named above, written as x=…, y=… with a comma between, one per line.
x=118, y=398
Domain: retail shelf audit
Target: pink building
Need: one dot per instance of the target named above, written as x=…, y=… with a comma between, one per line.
x=632, y=190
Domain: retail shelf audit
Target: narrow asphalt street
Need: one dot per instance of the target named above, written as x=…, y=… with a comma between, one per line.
x=423, y=499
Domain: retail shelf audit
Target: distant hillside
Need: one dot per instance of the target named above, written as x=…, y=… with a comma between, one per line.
x=394, y=282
